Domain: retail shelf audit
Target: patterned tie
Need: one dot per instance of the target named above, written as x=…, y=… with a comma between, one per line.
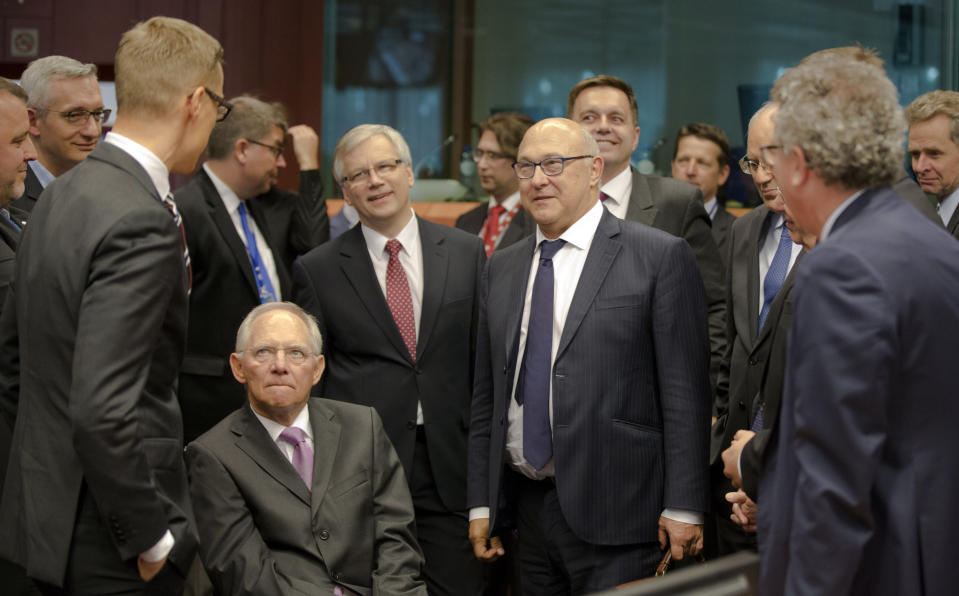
x=533, y=392
x=757, y=420
x=171, y=205
x=492, y=228
x=264, y=286
x=302, y=453
x=398, y=297
x=776, y=274
x=6, y=216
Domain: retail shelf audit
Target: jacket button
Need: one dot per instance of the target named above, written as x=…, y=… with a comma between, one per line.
x=335, y=575
x=742, y=406
x=324, y=535
x=753, y=362
x=411, y=424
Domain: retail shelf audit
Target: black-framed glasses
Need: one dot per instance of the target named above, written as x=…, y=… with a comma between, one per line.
x=276, y=150
x=81, y=117
x=223, y=107
x=479, y=154
x=551, y=166
x=266, y=354
x=768, y=153
x=382, y=169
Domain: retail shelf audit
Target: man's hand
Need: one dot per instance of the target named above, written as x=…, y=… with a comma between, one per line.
x=683, y=539
x=731, y=456
x=485, y=550
x=306, y=146
x=149, y=570
x=744, y=510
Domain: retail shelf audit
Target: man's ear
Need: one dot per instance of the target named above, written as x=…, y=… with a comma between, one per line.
x=318, y=369
x=237, y=367
x=34, y=121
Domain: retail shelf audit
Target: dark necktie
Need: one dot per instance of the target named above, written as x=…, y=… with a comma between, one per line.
x=302, y=453
x=398, y=297
x=264, y=286
x=776, y=274
x=171, y=205
x=533, y=392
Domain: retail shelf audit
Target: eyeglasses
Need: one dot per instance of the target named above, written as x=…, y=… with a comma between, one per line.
x=223, y=107
x=479, y=154
x=751, y=166
x=382, y=169
x=267, y=354
x=551, y=166
x=81, y=117
x=768, y=153
x=276, y=150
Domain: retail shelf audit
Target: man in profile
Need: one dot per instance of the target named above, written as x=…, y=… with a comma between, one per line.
x=296, y=495
x=66, y=119
x=96, y=499
x=502, y=221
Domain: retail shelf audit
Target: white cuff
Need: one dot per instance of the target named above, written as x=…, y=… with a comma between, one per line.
x=160, y=550
x=479, y=513
x=684, y=515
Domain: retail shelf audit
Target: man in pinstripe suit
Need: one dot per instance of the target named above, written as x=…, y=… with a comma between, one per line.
x=614, y=466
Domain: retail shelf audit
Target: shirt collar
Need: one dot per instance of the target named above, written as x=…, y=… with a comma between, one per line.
x=409, y=237
x=302, y=422
x=153, y=165
x=43, y=175
x=831, y=221
x=508, y=203
x=711, y=207
x=230, y=200
x=619, y=187
x=581, y=233
x=948, y=205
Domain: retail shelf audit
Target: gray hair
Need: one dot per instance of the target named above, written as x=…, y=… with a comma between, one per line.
x=41, y=72
x=246, y=327
x=251, y=118
x=929, y=105
x=358, y=134
x=845, y=116
x=767, y=106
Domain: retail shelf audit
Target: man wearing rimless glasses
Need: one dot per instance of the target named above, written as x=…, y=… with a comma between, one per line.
x=66, y=118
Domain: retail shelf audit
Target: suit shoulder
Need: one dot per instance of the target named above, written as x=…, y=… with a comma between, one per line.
x=219, y=433
x=456, y=237
x=345, y=411
x=321, y=255
x=755, y=216
x=472, y=220
x=670, y=190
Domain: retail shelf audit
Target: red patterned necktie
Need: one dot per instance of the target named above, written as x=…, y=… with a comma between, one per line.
x=398, y=297
x=492, y=228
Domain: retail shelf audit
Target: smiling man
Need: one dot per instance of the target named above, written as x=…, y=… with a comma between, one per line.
x=933, y=136
x=395, y=298
x=243, y=234
x=66, y=118
x=296, y=495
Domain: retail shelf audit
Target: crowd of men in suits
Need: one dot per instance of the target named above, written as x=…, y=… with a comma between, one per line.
x=385, y=405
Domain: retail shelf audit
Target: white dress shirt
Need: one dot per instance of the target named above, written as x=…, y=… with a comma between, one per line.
x=160, y=176
x=711, y=206
x=618, y=190
x=947, y=207
x=274, y=428
x=567, y=267
x=411, y=258
x=232, y=203
x=43, y=175
x=767, y=250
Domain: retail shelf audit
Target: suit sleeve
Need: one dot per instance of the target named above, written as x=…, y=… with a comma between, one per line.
x=750, y=462
x=233, y=552
x=839, y=386
x=682, y=364
x=481, y=411
x=698, y=233
x=310, y=224
x=305, y=296
x=398, y=559
x=133, y=274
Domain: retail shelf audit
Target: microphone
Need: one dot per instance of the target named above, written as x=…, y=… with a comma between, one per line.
x=446, y=143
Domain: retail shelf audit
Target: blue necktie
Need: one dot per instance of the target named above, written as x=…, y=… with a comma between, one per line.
x=263, y=284
x=776, y=274
x=6, y=215
x=533, y=392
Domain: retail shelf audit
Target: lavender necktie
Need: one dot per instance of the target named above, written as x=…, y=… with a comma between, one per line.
x=302, y=453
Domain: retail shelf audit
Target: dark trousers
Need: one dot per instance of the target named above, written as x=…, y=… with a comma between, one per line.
x=451, y=568
x=94, y=566
x=553, y=560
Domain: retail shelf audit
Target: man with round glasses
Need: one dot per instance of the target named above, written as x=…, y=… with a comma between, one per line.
x=66, y=119
x=502, y=221
x=244, y=234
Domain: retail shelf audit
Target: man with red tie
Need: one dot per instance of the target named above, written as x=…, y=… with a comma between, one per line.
x=501, y=221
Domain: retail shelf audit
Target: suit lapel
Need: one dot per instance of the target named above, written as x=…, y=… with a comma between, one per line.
x=953, y=226
x=326, y=441
x=754, y=239
x=519, y=278
x=602, y=253
x=435, y=271
x=358, y=269
x=777, y=305
x=641, y=207
x=252, y=439
x=226, y=229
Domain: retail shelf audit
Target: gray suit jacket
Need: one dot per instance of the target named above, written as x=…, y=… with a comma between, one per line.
x=676, y=207
x=263, y=532
x=630, y=384
x=520, y=227
x=99, y=312
x=722, y=223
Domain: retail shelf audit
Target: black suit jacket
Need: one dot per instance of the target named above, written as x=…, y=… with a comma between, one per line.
x=722, y=222
x=224, y=289
x=910, y=191
x=367, y=361
x=99, y=312
x=263, y=532
x=31, y=192
x=676, y=207
x=630, y=384
x=9, y=240
x=521, y=226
